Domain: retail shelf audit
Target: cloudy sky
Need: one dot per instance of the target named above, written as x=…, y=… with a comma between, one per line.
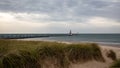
x=59, y=16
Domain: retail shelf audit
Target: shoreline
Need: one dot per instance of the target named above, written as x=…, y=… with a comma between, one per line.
x=68, y=42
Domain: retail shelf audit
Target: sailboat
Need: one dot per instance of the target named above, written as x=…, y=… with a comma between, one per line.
x=70, y=33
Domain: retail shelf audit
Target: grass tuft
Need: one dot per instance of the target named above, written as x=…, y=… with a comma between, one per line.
x=83, y=52
x=29, y=59
x=116, y=64
x=12, y=61
x=111, y=54
x=55, y=52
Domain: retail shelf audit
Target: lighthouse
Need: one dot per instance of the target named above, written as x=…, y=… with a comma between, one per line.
x=70, y=33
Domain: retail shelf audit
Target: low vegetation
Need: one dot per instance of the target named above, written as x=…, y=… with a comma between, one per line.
x=116, y=64
x=83, y=52
x=111, y=54
x=38, y=54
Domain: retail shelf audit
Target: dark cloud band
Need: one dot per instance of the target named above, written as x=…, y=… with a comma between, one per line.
x=64, y=10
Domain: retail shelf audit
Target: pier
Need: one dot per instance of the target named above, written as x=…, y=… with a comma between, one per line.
x=22, y=36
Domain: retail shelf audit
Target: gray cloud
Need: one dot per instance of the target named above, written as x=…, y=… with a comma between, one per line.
x=64, y=10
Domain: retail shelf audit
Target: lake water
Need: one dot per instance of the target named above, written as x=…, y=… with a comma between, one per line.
x=110, y=39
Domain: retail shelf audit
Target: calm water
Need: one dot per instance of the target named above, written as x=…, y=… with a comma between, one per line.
x=113, y=39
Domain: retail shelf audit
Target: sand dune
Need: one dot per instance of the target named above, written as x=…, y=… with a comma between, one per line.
x=97, y=64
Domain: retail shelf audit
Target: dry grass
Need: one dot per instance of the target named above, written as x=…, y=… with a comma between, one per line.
x=116, y=64
x=33, y=54
x=111, y=54
x=84, y=52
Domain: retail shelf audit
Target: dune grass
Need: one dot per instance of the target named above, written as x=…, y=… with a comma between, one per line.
x=111, y=54
x=38, y=54
x=84, y=52
x=116, y=64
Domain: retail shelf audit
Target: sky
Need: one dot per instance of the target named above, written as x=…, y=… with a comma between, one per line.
x=59, y=16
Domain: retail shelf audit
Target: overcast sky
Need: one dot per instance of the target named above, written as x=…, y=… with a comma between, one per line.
x=59, y=16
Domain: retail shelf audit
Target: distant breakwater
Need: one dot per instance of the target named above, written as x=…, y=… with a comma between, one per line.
x=21, y=36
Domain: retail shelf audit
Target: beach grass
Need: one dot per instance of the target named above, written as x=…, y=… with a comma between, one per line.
x=116, y=64
x=84, y=52
x=111, y=54
x=41, y=54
